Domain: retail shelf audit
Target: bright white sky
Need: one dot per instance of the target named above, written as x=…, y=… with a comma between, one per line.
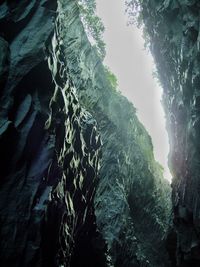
x=133, y=66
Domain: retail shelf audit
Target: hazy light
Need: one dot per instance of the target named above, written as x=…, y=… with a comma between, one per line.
x=133, y=67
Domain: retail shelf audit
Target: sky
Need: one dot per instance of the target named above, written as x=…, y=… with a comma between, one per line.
x=133, y=67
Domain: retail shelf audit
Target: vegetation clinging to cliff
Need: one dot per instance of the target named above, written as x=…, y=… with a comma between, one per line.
x=93, y=24
x=111, y=77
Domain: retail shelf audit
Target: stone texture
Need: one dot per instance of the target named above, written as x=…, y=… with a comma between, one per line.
x=132, y=204
x=174, y=31
x=49, y=146
x=55, y=100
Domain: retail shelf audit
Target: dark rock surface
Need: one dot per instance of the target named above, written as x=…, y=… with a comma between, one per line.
x=50, y=151
x=174, y=31
x=49, y=147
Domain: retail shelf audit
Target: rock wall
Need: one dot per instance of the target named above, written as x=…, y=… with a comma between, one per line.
x=49, y=146
x=132, y=204
x=174, y=31
x=50, y=151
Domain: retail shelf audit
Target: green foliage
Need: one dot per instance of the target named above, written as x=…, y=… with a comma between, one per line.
x=93, y=24
x=133, y=9
x=111, y=77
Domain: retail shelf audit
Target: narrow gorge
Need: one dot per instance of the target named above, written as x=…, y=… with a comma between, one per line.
x=79, y=183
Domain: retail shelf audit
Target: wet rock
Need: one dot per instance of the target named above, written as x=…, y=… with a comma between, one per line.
x=132, y=204
x=4, y=62
x=175, y=37
x=58, y=205
x=49, y=146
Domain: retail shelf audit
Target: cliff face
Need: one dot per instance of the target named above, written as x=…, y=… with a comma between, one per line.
x=49, y=145
x=50, y=151
x=132, y=204
x=174, y=30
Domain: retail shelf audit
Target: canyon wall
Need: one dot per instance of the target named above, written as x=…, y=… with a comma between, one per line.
x=173, y=29
x=79, y=183
x=49, y=145
x=132, y=196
